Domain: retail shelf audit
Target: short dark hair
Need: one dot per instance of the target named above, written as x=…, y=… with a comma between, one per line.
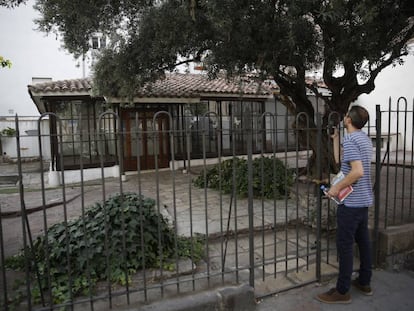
x=359, y=116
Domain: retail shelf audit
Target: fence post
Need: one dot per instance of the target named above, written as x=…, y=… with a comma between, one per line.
x=250, y=196
x=377, y=183
x=318, y=197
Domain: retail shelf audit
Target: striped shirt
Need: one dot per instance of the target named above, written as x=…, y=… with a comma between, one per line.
x=358, y=147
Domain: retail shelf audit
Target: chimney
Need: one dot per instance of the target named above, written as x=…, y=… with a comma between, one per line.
x=36, y=80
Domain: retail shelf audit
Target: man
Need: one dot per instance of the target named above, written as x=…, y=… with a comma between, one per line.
x=352, y=214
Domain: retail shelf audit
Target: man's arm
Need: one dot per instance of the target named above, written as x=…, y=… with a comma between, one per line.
x=357, y=171
x=335, y=145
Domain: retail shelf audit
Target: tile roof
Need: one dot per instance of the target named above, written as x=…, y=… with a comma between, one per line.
x=174, y=85
x=62, y=86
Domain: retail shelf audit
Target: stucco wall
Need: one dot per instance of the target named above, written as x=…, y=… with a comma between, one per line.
x=29, y=139
x=391, y=84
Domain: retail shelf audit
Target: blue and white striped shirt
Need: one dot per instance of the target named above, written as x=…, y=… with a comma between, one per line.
x=358, y=146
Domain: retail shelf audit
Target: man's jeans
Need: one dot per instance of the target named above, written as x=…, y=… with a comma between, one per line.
x=352, y=226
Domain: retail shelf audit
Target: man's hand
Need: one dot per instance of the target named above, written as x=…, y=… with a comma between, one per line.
x=333, y=191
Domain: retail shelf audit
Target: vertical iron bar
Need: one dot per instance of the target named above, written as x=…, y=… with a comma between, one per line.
x=233, y=131
x=275, y=142
x=297, y=191
x=42, y=182
x=121, y=134
x=318, y=197
x=101, y=137
x=411, y=164
x=82, y=187
x=155, y=134
x=26, y=225
x=378, y=128
x=250, y=197
x=396, y=186
x=3, y=268
x=402, y=184
x=188, y=145
x=203, y=139
x=286, y=146
x=23, y=210
x=262, y=131
x=65, y=211
x=388, y=167
x=141, y=202
x=170, y=132
x=219, y=151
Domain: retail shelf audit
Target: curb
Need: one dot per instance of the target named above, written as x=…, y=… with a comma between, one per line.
x=237, y=298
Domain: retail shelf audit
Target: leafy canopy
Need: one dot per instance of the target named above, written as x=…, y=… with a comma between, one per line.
x=5, y=62
x=11, y=3
x=281, y=38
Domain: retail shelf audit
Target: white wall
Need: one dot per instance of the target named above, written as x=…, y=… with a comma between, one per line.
x=278, y=123
x=29, y=139
x=393, y=83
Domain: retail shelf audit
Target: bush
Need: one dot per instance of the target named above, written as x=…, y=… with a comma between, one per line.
x=112, y=240
x=271, y=178
x=8, y=132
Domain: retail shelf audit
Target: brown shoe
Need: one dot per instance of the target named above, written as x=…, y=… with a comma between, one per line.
x=333, y=296
x=364, y=289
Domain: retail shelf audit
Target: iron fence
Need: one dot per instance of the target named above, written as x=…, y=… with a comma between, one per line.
x=143, y=235
x=394, y=186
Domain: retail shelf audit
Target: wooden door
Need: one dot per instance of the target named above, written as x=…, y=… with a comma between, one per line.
x=146, y=139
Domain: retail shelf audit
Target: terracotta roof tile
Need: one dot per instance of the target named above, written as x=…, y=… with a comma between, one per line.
x=62, y=86
x=173, y=85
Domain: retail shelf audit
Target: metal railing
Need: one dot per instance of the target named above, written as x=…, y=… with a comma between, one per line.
x=234, y=233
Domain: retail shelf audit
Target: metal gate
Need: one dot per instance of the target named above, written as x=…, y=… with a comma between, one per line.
x=256, y=218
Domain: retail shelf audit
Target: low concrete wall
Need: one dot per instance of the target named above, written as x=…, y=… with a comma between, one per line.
x=396, y=245
x=237, y=298
x=74, y=176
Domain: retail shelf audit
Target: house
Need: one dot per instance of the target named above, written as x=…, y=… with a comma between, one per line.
x=84, y=127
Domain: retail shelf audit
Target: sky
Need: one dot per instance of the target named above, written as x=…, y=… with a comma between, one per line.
x=33, y=54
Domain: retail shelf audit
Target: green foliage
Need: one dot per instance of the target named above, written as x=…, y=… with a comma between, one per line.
x=8, y=132
x=283, y=39
x=271, y=179
x=11, y=3
x=348, y=42
x=5, y=62
x=111, y=242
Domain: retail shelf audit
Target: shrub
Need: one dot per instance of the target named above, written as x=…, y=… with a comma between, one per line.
x=8, y=132
x=113, y=240
x=271, y=178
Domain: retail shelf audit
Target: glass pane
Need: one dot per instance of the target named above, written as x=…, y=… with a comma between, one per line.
x=150, y=138
x=135, y=135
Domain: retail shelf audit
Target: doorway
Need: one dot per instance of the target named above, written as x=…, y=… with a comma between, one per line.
x=146, y=139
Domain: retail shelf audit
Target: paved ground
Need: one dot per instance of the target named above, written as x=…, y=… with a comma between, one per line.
x=393, y=290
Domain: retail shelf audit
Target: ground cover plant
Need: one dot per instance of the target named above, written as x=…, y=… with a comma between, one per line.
x=112, y=241
x=271, y=178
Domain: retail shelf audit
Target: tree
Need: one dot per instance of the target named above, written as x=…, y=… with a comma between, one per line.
x=351, y=40
x=4, y=62
x=11, y=3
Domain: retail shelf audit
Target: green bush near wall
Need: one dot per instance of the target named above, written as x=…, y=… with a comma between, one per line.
x=111, y=242
x=271, y=178
x=10, y=132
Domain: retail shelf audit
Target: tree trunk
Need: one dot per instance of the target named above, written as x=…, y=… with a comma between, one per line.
x=307, y=135
x=308, y=140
